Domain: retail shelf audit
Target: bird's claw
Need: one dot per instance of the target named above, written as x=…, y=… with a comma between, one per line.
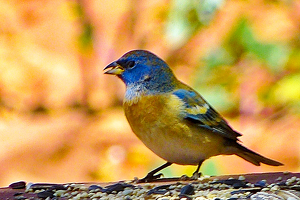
x=195, y=176
x=150, y=178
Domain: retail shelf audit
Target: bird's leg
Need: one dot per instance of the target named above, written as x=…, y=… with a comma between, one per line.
x=196, y=174
x=151, y=175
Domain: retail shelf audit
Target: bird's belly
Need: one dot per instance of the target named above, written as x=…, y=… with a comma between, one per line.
x=185, y=148
x=169, y=136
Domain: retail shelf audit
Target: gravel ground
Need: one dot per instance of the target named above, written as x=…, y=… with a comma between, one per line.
x=277, y=186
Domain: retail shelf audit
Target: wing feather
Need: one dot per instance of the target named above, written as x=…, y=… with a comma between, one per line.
x=199, y=112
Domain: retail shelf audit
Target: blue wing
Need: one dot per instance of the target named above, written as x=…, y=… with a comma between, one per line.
x=199, y=112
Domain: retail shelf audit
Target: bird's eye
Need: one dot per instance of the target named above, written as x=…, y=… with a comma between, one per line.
x=127, y=64
x=130, y=64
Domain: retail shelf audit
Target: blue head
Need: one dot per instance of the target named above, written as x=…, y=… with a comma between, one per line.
x=143, y=69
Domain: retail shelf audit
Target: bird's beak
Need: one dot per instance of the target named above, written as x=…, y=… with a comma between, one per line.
x=114, y=69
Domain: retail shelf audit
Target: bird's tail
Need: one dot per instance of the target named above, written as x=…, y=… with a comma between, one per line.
x=254, y=157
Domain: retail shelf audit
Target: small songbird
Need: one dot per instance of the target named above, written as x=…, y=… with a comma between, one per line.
x=171, y=118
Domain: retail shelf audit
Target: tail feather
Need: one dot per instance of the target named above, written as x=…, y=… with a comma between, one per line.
x=254, y=157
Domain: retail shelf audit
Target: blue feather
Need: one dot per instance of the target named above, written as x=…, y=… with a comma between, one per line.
x=199, y=112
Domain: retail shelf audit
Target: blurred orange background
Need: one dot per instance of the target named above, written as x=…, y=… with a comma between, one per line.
x=62, y=119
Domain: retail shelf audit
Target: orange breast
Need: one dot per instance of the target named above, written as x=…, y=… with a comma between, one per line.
x=158, y=121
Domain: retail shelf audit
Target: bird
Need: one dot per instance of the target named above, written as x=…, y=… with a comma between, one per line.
x=172, y=119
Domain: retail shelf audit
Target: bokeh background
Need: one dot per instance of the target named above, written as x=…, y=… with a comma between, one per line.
x=61, y=118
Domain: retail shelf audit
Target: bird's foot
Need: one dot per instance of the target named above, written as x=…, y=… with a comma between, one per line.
x=195, y=176
x=149, y=178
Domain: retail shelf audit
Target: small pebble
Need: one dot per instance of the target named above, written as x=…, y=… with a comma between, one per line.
x=233, y=182
x=45, y=194
x=261, y=183
x=127, y=192
x=59, y=193
x=18, y=193
x=27, y=189
x=84, y=195
x=239, y=185
x=46, y=186
x=282, y=183
x=187, y=190
x=94, y=187
x=291, y=198
x=148, y=185
x=293, y=179
x=58, y=187
x=20, y=198
x=233, y=197
x=83, y=188
x=296, y=187
x=160, y=191
x=242, y=178
x=275, y=188
x=163, y=198
x=250, y=185
x=201, y=198
x=116, y=187
x=18, y=185
x=265, y=189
